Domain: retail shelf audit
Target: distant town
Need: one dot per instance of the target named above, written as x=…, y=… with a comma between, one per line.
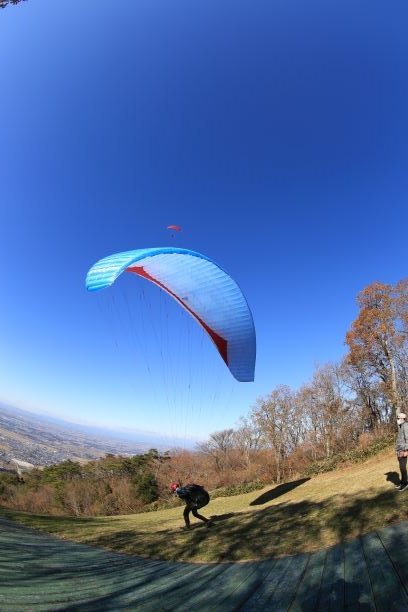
x=40, y=441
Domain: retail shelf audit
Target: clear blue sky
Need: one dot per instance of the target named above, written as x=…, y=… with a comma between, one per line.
x=274, y=132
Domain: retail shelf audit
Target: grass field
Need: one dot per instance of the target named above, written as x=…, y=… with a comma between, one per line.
x=300, y=516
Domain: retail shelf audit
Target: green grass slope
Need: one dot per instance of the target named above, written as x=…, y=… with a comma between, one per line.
x=300, y=516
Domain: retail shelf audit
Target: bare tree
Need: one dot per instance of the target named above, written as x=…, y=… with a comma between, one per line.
x=276, y=416
x=368, y=397
x=331, y=415
x=248, y=440
x=219, y=447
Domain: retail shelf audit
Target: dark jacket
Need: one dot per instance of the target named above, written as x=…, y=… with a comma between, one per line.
x=193, y=495
x=402, y=437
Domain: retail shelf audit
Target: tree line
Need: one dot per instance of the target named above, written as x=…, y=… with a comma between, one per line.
x=346, y=411
x=345, y=406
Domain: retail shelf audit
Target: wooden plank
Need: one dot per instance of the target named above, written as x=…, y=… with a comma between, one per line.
x=359, y=593
x=307, y=593
x=283, y=595
x=276, y=581
x=249, y=586
x=174, y=595
x=389, y=592
x=395, y=541
x=332, y=588
x=229, y=589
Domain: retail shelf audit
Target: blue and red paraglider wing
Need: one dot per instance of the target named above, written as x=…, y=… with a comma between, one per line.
x=200, y=286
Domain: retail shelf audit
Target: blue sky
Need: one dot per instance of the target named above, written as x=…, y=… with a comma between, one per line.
x=274, y=133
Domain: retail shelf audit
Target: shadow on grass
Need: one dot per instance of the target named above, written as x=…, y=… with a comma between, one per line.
x=216, y=518
x=232, y=538
x=274, y=531
x=392, y=477
x=362, y=515
x=277, y=491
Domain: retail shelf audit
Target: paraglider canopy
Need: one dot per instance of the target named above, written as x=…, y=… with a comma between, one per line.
x=202, y=288
x=177, y=228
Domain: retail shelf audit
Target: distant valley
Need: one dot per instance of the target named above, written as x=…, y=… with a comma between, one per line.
x=42, y=440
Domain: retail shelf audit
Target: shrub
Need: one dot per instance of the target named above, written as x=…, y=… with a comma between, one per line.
x=145, y=487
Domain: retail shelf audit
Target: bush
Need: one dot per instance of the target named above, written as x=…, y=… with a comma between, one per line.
x=145, y=487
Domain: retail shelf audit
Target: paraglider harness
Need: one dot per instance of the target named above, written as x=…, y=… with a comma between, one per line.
x=194, y=495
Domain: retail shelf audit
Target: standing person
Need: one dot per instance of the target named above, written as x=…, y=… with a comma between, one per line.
x=401, y=447
x=195, y=497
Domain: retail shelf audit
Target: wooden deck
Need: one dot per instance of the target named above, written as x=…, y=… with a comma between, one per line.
x=39, y=572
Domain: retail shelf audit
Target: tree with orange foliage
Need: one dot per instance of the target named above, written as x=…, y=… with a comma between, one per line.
x=377, y=339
